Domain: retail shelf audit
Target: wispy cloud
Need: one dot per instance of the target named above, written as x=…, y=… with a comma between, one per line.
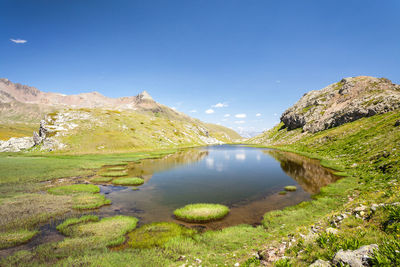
x=227, y=115
x=258, y=115
x=210, y=111
x=278, y=81
x=240, y=122
x=241, y=116
x=220, y=105
x=275, y=114
x=174, y=108
x=18, y=41
x=193, y=111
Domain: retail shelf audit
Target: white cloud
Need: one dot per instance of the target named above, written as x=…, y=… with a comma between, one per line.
x=210, y=111
x=275, y=114
x=18, y=41
x=240, y=122
x=193, y=111
x=240, y=116
x=227, y=115
x=174, y=108
x=224, y=120
x=240, y=156
x=258, y=115
x=220, y=105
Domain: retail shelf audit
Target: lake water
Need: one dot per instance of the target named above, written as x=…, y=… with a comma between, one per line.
x=246, y=179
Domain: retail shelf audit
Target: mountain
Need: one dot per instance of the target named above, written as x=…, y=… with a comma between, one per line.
x=337, y=104
x=91, y=122
x=341, y=102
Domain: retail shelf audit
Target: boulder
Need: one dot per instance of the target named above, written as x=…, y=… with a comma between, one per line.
x=356, y=258
x=320, y=263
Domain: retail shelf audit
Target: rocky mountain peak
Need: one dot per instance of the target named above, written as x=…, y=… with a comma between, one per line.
x=144, y=96
x=345, y=101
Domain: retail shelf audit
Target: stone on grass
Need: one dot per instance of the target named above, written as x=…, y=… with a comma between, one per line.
x=355, y=258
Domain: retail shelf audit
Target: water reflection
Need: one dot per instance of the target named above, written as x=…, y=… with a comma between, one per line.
x=307, y=172
x=244, y=178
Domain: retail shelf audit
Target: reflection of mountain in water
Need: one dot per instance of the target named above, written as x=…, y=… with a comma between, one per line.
x=307, y=172
x=146, y=168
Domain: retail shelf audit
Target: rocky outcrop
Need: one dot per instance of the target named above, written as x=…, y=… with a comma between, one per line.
x=357, y=258
x=342, y=102
x=16, y=144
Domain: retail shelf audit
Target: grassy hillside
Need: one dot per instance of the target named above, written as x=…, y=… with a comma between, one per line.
x=99, y=130
x=367, y=153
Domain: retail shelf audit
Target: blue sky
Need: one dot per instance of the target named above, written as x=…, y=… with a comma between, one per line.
x=255, y=58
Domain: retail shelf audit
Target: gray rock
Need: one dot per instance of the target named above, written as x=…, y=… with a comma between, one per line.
x=356, y=258
x=320, y=263
x=342, y=102
x=16, y=144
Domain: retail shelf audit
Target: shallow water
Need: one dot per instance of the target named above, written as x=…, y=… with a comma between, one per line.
x=246, y=179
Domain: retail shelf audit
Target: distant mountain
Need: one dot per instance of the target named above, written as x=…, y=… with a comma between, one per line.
x=91, y=122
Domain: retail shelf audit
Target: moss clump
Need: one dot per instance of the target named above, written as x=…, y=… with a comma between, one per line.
x=101, y=179
x=73, y=189
x=157, y=234
x=116, y=169
x=107, y=232
x=201, y=212
x=115, y=174
x=290, y=188
x=65, y=227
x=282, y=193
x=128, y=181
x=89, y=201
x=13, y=238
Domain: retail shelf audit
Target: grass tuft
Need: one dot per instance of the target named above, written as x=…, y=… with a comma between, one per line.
x=89, y=201
x=73, y=189
x=114, y=174
x=290, y=188
x=157, y=234
x=116, y=169
x=128, y=181
x=101, y=179
x=201, y=212
x=66, y=225
x=13, y=238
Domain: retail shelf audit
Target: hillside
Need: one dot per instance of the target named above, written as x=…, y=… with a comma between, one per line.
x=91, y=122
x=359, y=211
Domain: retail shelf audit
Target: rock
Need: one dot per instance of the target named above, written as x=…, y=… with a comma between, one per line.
x=331, y=230
x=342, y=102
x=356, y=258
x=16, y=144
x=397, y=123
x=320, y=263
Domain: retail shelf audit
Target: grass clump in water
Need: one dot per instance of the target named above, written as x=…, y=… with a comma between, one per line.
x=89, y=201
x=115, y=174
x=104, y=233
x=13, y=238
x=101, y=179
x=157, y=234
x=282, y=192
x=116, y=169
x=201, y=212
x=128, y=181
x=74, y=188
x=290, y=188
x=65, y=227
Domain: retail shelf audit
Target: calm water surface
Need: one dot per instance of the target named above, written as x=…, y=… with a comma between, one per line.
x=246, y=179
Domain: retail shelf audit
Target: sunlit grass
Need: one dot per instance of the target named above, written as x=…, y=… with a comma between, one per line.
x=75, y=188
x=89, y=201
x=201, y=212
x=128, y=181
